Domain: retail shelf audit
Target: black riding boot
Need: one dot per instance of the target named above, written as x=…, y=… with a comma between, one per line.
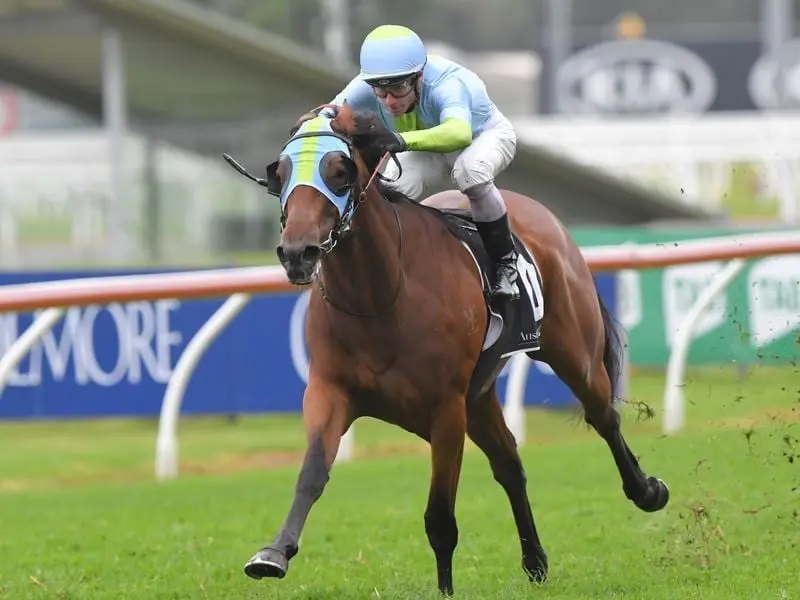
x=496, y=236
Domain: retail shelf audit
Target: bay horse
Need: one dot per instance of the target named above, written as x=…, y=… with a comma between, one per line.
x=396, y=321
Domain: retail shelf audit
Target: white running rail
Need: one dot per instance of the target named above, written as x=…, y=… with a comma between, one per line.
x=240, y=283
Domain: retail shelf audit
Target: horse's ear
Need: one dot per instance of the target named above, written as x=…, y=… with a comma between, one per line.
x=303, y=118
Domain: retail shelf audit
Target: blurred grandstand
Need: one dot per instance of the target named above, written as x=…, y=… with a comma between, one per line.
x=114, y=114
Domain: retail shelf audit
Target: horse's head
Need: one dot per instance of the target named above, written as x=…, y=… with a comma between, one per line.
x=319, y=178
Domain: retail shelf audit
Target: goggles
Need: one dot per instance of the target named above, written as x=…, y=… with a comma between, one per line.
x=399, y=89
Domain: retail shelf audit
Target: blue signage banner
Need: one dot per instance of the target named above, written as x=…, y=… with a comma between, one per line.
x=116, y=360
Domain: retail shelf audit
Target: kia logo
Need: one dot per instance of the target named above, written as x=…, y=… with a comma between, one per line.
x=635, y=77
x=772, y=87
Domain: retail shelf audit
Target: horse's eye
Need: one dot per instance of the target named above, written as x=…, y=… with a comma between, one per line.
x=340, y=175
x=338, y=181
x=338, y=172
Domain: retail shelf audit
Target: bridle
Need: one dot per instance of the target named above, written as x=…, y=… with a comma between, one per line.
x=355, y=198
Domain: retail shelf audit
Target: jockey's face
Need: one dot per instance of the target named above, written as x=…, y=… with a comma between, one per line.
x=399, y=97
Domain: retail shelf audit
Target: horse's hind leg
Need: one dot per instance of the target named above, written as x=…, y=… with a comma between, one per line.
x=326, y=416
x=486, y=427
x=588, y=364
x=648, y=493
x=448, y=426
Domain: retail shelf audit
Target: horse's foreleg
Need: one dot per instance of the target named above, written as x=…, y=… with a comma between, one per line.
x=448, y=427
x=486, y=427
x=326, y=415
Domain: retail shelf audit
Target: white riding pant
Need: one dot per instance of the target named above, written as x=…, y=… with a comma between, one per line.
x=490, y=153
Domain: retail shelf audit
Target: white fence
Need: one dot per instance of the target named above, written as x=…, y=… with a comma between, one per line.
x=240, y=283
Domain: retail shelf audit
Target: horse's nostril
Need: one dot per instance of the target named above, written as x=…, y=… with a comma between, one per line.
x=281, y=254
x=312, y=253
x=298, y=254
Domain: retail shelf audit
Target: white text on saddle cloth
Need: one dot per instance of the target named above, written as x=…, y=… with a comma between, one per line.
x=530, y=279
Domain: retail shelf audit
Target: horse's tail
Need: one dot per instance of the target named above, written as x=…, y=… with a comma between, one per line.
x=612, y=352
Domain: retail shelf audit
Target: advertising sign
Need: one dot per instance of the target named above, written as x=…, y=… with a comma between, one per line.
x=757, y=319
x=667, y=77
x=635, y=77
x=117, y=359
x=775, y=82
x=773, y=303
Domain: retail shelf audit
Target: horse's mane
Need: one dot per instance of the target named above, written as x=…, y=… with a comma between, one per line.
x=393, y=195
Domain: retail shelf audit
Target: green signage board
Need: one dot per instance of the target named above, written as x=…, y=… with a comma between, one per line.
x=756, y=319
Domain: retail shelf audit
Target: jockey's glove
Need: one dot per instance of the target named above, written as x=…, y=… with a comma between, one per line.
x=394, y=143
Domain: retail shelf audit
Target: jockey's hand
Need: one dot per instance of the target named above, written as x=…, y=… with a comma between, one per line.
x=393, y=143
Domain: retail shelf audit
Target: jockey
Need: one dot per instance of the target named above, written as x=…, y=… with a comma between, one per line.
x=444, y=123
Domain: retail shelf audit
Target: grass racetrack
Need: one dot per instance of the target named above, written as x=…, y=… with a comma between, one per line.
x=82, y=518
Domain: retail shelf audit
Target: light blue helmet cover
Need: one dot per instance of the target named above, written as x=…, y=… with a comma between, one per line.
x=306, y=156
x=391, y=52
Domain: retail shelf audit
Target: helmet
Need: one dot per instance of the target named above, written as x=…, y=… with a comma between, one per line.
x=391, y=53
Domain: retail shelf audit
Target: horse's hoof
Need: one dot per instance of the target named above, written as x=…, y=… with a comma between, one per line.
x=267, y=562
x=657, y=495
x=535, y=568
